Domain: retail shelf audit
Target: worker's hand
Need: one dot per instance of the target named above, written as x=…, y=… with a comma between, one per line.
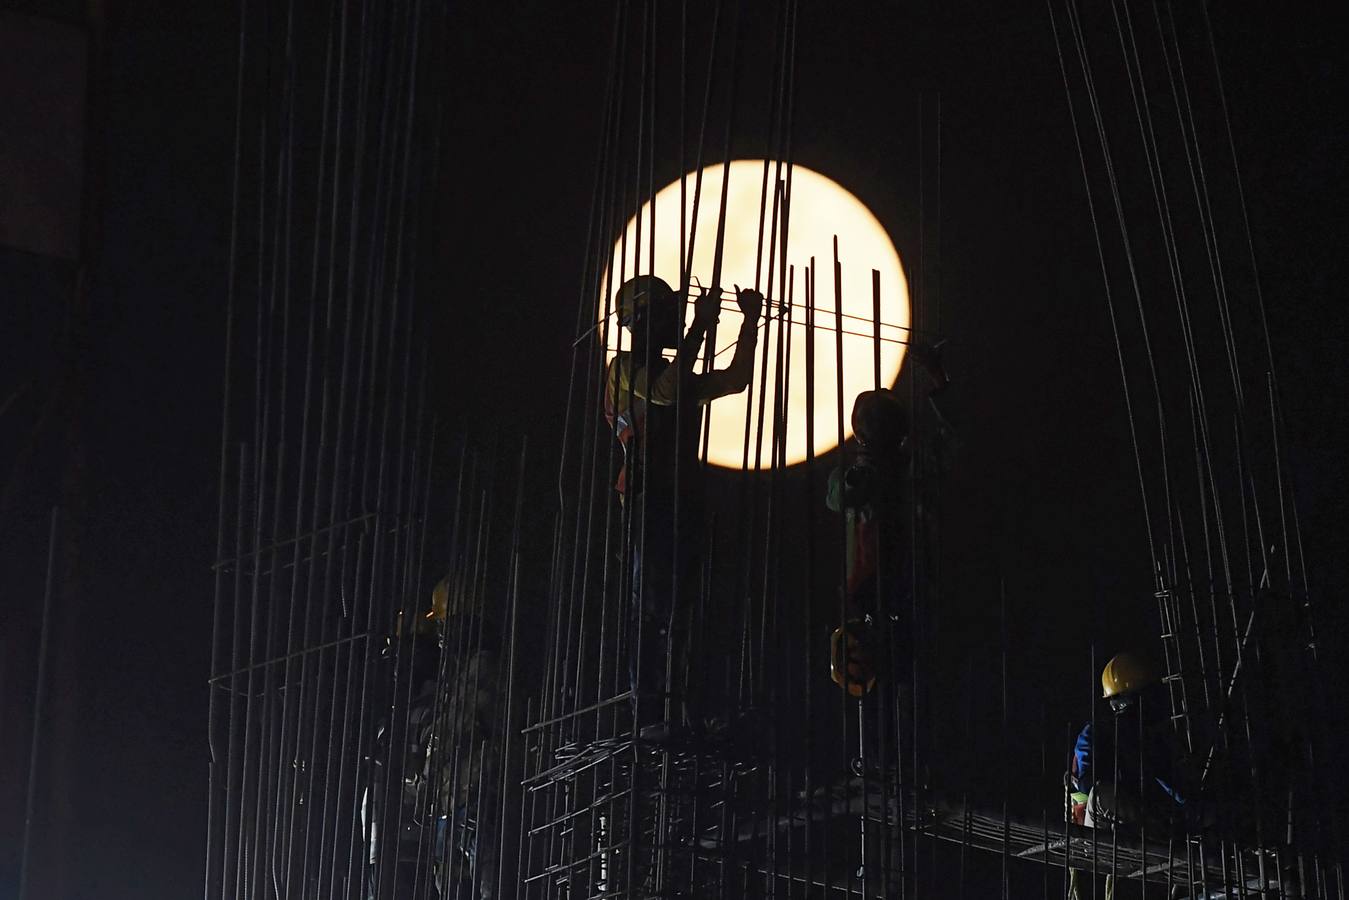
x=751, y=304
x=707, y=308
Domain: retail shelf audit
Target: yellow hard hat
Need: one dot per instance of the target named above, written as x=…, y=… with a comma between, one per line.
x=440, y=601
x=1126, y=674
x=426, y=621
x=638, y=292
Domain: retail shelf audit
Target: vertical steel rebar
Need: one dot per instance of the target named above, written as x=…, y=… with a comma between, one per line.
x=39, y=701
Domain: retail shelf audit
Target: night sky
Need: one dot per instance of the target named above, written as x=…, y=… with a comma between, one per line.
x=1042, y=496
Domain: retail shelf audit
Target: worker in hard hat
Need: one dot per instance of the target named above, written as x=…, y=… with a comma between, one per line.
x=641, y=388
x=396, y=801
x=654, y=407
x=869, y=489
x=1129, y=770
x=873, y=645
x=1129, y=766
x=464, y=748
x=868, y=493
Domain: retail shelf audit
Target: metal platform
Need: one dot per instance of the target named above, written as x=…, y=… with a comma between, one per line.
x=1204, y=866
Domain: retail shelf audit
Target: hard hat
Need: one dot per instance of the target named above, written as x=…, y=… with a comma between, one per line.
x=428, y=620
x=880, y=419
x=440, y=601
x=639, y=292
x=850, y=663
x=1126, y=674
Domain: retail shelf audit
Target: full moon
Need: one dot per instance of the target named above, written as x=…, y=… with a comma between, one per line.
x=821, y=210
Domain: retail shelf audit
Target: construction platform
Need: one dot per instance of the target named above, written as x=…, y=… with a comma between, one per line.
x=717, y=817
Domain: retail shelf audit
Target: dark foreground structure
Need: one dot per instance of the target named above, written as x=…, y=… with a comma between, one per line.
x=372, y=735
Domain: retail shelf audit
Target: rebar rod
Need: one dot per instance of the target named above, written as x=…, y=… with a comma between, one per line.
x=225, y=439
x=39, y=700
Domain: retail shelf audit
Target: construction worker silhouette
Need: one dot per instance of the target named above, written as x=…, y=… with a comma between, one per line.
x=871, y=495
x=463, y=749
x=393, y=809
x=868, y=493
x=1129, y=767
x=654, y=407
x=1129, y=771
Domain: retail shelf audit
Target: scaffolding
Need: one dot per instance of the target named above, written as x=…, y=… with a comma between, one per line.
x=368, y=743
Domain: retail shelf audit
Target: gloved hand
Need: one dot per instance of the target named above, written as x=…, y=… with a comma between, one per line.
x=707, y=308
x=751, y=304
x=1075, y=801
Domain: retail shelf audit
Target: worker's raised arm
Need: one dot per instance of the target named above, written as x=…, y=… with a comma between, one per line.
x=628, y=377
x=628, y=380
x=735, y=377
x=665, y=388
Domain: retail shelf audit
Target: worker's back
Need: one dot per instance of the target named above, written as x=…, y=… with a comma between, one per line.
x=1134, y=750
x=659, y=441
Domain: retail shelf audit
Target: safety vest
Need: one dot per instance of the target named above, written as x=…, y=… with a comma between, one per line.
x=626, y=414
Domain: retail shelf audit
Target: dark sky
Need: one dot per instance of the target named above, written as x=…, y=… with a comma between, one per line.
x=1043, y=494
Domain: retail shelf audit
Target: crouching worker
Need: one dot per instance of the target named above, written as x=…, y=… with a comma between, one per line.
x=654, y=407
x=1131, y=770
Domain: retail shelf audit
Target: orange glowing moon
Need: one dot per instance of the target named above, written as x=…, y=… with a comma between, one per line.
x=820, y=210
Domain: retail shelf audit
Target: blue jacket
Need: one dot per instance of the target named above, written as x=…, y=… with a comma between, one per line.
x=1093, y=761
